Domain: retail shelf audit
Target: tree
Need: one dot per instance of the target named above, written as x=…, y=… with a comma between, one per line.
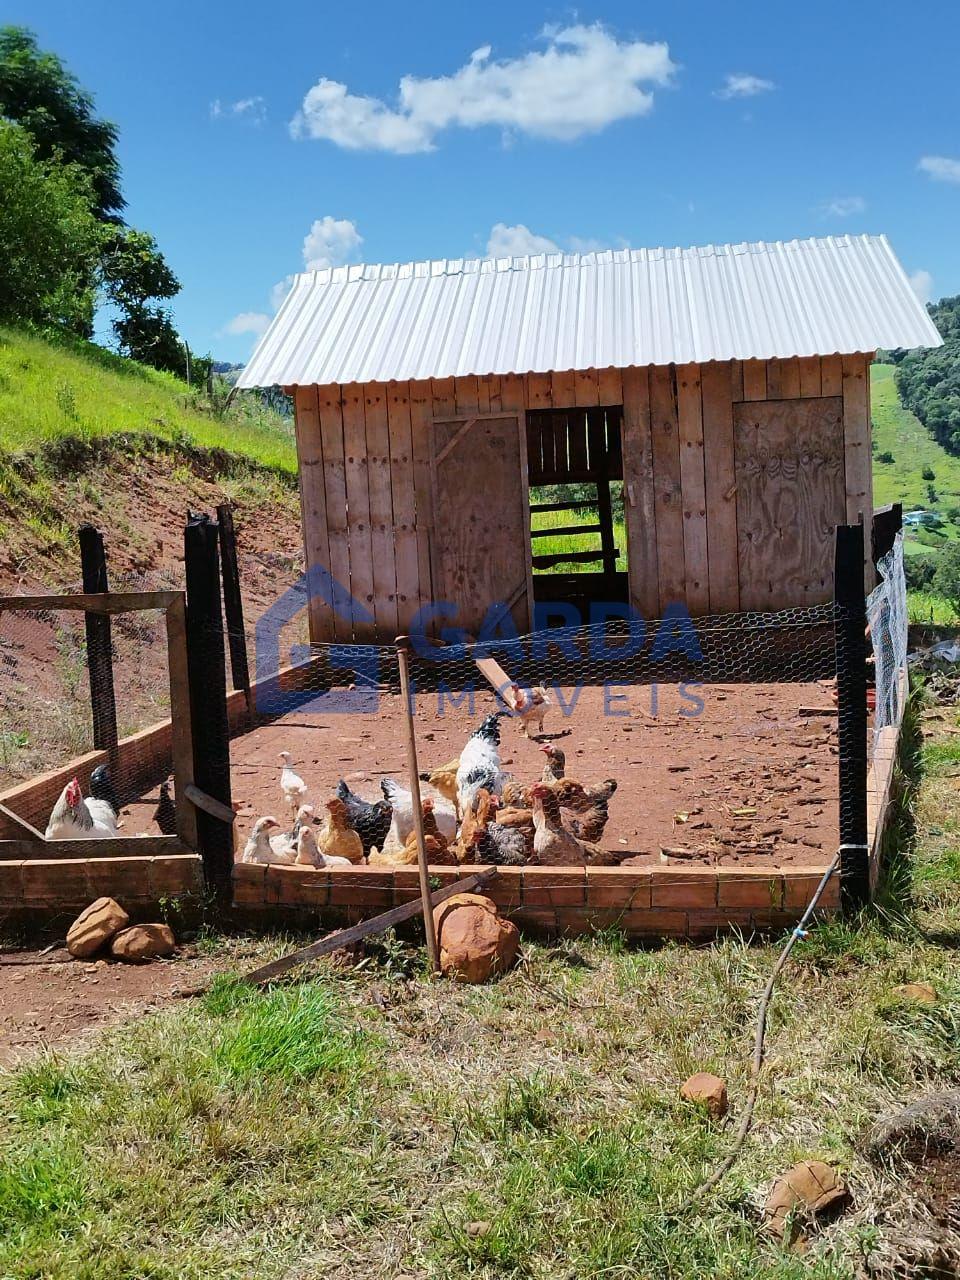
x=42, y=96
x=946, y=576
x=50, y=240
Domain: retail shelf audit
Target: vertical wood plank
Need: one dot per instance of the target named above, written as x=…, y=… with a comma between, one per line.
x=444, y=393
x=513, y=393
x=539, y=391
x=773, y=380
x=810, y=376
x=313, y=504
x=736, y=380
x=856, y=448
x=380, y=491
x=754, y=380
x=335, y=494
x=586, y=388
x=358, y=508
x=790, y=379
x=667, y=491
x=721, y=488
x=494, y=394
x=638, y=494
x=404, y=504
x=610, y=387
x=831, y=376
x=563, y=392
x=181, y=730
x=693, y=489
x=467, y=394
x=421, y=419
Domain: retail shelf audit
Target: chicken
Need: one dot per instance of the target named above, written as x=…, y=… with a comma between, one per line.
x=480, y=762
x=444, y=780
x=514, y=794
x=436, y=845
x=257, y=848
x=337, y=838
x=518, y=819
x=590, y=823
x=165, y=814
x=530, y=706
x=401, y=801
x=293, y=789
x=574, y=795
x=309, y=855
x=286, y=841
x=370, y=821
x=74, y=818
x=556, y=763
x=478, y=816
x=552, y=844
x=489, y=842
x=102, y=788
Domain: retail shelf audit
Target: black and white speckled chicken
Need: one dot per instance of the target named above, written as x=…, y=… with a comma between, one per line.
x=480, y=763
x=370, y=821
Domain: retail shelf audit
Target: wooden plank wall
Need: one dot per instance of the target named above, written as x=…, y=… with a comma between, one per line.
x=365, y=476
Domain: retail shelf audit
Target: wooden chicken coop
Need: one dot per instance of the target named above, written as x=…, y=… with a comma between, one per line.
x=718, y=397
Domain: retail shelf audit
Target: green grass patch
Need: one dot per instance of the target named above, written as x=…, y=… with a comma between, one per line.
x=570, y=542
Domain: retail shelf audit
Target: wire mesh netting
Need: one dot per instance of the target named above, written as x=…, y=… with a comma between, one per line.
x=887, y=619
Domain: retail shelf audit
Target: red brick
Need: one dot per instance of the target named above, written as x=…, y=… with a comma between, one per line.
x=554, y=887
x=741, y=889
x=11, y=883
x=126, y=879
x=537, y=921
x=707, y=924
x=304, y=886
x=175, y=876
x=624, y=887
x=249, y=893
x=676, y=887
x=505, y=889
x=799, y=889
x=655, y=922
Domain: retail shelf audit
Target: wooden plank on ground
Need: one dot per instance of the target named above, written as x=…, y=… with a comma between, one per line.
x=667, y=489
x=335, y=490
x=693, y=489
x=721, y=487
x=857, y=451
x=366, y=928
x=404, y=504
x=109, y=602
x=313, y=504
x=382, y=539
x=638, y=494
x=356, y=473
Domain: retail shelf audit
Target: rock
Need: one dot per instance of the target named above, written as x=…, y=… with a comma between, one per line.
x=144, y=942
x=920, y=992
x=95, y=926
x=707, y=1089
x=810, y=1186
x=478, y=1229
x=475, y=941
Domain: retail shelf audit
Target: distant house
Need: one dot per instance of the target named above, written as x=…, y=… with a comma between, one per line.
x=724, y=390
x=922, y=519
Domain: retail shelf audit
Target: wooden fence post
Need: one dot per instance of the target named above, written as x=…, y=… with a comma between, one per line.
x=93, y=564
x=207, y=668
x=233, y=601
x=887, y=523
x=851, y=650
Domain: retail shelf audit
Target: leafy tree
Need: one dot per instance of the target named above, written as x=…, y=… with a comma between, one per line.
x=929, y=381
x=40, y=94
x=50, y=240
x=946, y=577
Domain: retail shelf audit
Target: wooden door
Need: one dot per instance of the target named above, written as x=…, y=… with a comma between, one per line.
x=790, y=498
x=480, y=541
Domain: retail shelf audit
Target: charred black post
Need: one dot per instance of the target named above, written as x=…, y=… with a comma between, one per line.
x=232, y=601
x=851, y=650
x=887, y=523
x=93, y=563
x=207, y=671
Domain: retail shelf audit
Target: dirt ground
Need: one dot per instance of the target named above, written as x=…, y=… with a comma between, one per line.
x=49, y=999
x=748, y=781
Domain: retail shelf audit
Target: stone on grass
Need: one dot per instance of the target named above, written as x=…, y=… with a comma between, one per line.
x=920, y=992
x=811, y=1186
x=478, y=1229
x=476, y=943
x=144, y=942
x=95, y=926
x=707, y=1089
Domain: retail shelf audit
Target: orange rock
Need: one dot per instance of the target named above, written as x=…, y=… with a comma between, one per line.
x=921, y=992
x=476, y=943
x=810, y=1185
x=707, y=1089
x=95, y=926
x=144, y=942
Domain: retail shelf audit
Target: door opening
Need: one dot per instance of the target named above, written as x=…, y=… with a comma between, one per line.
x=578, y=537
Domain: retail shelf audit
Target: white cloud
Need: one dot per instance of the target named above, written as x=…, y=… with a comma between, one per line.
x=330, y=242
x=940, y=168
x=280, y=291
x=583, y=80
x=254, y=322
x=740, y=85
x=921, y=282
x=512, y=242
x=253, y=110
x=843, y=206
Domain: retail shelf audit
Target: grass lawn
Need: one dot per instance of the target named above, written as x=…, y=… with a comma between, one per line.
x=356, y=1124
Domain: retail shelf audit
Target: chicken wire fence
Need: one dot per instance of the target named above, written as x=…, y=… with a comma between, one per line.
x=887, y=619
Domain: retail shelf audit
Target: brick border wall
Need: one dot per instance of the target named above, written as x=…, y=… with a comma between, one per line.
x=53, y=885
x=644, y=902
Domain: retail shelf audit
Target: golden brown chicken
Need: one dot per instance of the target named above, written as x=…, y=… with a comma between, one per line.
x=514, y=795
x=555, y=765
x=444, y=779
x=517, y=819
x=555, y=846
x=437, y=847
x=337, y=839
x=574, y=795
x=474, y=819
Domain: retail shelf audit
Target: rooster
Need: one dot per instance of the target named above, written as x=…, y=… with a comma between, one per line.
x=370, y=821
x=74, y=818
x=530, y=705
x=292, y=787
x=480, y=762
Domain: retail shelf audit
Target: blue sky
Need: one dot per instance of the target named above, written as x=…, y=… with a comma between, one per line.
x=256, y=139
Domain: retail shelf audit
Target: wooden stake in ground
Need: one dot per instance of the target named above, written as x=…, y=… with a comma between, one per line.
x=403, y=659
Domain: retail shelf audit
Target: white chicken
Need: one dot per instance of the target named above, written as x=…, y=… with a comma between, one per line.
x=401, y=824
x=76, y=818
x=530, y=706
x=479, y=765
x=292, y=787
x=257, y=848
x=286, y=841
x=309, y=853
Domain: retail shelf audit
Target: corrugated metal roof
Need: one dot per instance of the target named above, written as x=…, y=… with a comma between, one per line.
x=590, y=311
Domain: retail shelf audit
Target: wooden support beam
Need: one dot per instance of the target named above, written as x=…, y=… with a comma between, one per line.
x=23, y=824
x=209, y=805
x=111, y=602
x=851, y=650
x=233, y=601
x=366, y=928
x=103, y=702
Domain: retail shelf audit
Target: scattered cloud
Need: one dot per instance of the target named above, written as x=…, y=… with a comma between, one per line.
x=940, y=168
x=254, y=322
x=330, y=242
x=253, y=110
x=582, y=81
x=280, y=291
x=513, y=242
x=740, y=85
x=843, y=207
x=921, y=282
